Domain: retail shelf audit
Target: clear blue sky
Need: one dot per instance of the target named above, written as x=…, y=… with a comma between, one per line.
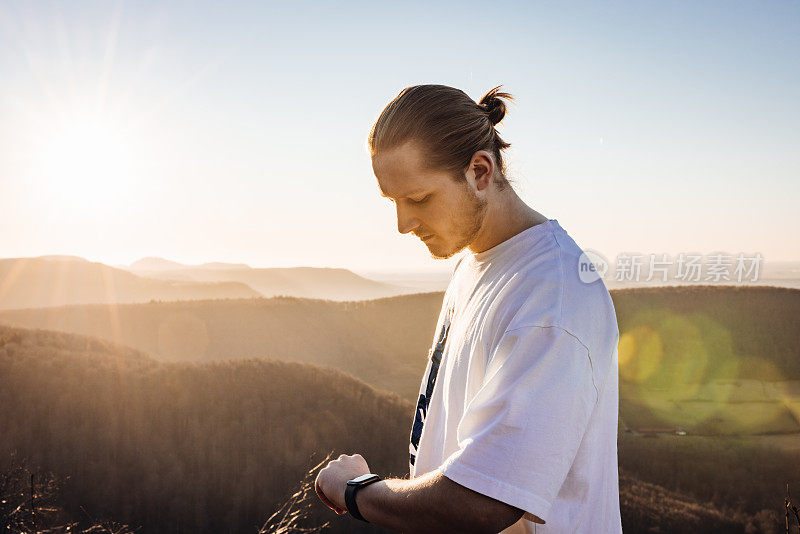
x=236, y=131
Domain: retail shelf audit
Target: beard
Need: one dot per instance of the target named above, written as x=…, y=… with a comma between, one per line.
x=468, y=220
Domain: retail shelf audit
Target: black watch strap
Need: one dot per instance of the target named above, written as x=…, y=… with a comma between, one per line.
x=350, y=494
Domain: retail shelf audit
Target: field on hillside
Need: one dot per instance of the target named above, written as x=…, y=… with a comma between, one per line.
x=724, y=407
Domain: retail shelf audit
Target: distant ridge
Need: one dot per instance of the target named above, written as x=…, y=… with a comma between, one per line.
x=60, y=257
x=60, y=280
x=222, y=265
x=307, y=282
x=152, y=263
x=63, y=280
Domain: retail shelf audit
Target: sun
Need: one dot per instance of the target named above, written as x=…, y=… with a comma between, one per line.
x=85, y=160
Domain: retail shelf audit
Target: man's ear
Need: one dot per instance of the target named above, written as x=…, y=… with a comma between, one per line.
x=482, y=164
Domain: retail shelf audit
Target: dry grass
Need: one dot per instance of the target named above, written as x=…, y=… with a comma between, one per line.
x=295, y=511
x=29, y=505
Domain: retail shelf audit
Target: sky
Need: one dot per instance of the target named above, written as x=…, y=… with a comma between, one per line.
x=234, y=131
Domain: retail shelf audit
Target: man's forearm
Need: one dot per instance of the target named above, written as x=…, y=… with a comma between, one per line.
x=429, y=503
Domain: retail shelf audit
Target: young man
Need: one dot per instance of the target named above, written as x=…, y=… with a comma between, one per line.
x=516, y=424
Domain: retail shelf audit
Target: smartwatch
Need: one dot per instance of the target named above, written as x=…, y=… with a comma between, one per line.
x=352, y=488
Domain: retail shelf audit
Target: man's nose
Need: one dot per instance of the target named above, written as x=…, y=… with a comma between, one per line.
x=405, y=220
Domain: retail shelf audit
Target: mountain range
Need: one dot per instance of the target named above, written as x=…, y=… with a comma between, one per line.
x=47, y=281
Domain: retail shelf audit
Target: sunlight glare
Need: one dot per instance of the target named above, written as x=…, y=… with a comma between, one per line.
x=85, y=162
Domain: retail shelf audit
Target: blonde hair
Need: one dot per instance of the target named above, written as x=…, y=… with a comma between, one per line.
x=449, y=125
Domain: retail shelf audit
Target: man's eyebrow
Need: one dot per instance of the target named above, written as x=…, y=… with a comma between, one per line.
x=411, y=194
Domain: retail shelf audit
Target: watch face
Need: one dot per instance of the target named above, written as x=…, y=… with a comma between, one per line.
x=362, y=479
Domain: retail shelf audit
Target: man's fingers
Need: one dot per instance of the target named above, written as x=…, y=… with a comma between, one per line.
x=321, y=495
x=325, y=500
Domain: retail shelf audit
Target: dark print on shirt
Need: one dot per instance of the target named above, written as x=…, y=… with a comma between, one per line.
x=425, y=399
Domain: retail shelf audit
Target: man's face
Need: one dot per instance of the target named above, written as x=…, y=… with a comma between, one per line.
x=447, y=215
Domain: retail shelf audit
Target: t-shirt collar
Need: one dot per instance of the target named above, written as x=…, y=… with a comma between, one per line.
x=534, y=232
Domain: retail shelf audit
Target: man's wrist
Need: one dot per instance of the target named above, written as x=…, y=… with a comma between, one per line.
x=430, y=503
x=353, y=488
x=368, y=500
x=394, y=504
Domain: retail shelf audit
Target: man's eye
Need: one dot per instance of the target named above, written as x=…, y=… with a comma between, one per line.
x=420, y=201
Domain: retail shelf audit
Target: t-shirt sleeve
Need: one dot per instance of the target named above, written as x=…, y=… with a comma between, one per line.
x=520, y=433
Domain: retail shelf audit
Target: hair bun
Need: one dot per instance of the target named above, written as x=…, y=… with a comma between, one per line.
x=492, y=103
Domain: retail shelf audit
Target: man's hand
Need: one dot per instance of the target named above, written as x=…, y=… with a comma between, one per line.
x=430, y=503
x=331, y=482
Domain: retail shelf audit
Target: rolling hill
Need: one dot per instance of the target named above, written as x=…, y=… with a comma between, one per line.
x=383, y=342
x=671, y=337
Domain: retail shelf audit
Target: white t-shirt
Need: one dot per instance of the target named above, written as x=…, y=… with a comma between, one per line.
x=524, y=405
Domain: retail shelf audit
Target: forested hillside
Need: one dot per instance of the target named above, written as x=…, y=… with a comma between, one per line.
x=185, y=447
x=218, y=446
x=669, y=336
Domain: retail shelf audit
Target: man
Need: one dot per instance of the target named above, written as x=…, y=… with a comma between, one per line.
x=516, y=424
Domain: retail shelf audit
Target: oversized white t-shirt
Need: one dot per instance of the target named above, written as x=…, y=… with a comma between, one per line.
x=519, y=400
